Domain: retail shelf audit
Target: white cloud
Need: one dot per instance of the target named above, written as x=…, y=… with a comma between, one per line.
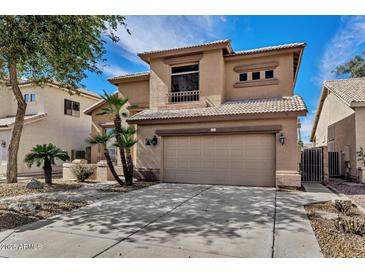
x=342, y=47
x=111, y=70
x=161, y=32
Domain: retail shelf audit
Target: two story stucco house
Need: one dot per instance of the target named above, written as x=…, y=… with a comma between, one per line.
x=53, y=115
x=210, y=115
x=339, y=123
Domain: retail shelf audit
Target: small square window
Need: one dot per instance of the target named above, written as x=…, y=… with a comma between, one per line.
x=26, y=98
x=256, y=75
x=243, y=76
x=269, y=74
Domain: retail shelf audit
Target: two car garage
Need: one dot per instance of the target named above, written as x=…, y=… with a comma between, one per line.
x=238, y=159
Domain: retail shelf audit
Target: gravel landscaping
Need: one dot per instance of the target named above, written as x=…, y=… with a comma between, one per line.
x=44, y=208
x=11, y=190
x=118, y=188
x=333, y=242
x=353, y=191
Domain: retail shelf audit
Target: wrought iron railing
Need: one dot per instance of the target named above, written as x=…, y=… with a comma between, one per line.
x=183, y=96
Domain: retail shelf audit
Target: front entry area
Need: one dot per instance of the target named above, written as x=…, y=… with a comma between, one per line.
x=244, y=159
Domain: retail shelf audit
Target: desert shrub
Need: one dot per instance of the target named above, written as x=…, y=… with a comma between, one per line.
x=82, y=172
x=343, y=206
x=352, y=225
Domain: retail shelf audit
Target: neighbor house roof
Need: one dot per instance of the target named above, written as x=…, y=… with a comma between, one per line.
x=8, y=121
x=98, y=104
x=350, y=91
x=82, y=91
x=248, y=106
x=130, y=77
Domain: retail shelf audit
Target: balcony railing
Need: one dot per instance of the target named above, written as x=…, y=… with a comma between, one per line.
x=184, y=96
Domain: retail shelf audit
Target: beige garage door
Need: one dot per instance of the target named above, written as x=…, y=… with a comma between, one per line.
x=223, y=159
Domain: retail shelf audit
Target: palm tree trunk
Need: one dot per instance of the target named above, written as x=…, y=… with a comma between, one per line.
x=130, y=167
x=47, y=168
x=111, y=167
x=12, y=166
x=118, y=133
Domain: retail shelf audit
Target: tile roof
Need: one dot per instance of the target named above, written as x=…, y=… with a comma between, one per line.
x=348, y=90
x=225, y=41
x=132, y=75
x=267, y=49
x=10, y=120
x=249, y=106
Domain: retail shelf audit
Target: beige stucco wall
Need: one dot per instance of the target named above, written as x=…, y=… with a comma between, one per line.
x=137, y=92
x=5, y=94
x=67, y=132
x=149, y=157
x=283, y=72
x=333, y=110
x=360, y=131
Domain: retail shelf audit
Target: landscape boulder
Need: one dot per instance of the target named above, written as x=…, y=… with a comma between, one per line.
x=34, y=184
x=28, y=206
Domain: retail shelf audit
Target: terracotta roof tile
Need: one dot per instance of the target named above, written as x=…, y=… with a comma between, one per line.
x=349, y=90
x=249, y=106
x=267, y=49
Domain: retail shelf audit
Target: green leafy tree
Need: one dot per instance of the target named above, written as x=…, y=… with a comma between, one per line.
x=116, y=107
x=355, y=67
x=45, y=155
x=102, y=139
x=50, y=48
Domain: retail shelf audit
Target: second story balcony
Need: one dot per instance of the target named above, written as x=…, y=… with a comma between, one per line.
x=183, y=96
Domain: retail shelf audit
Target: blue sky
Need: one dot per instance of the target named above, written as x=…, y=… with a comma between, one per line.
x=331, y=41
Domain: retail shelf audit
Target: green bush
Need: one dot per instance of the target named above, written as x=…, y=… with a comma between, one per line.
x=82, y=172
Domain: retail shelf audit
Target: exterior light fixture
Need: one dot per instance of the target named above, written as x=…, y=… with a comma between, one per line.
x=282, y=139
x=3, y=144
x=151, y=141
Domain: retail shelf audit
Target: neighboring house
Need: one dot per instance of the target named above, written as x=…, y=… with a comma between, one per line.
x=210, y=115
x=53, y=115
x=339, y=122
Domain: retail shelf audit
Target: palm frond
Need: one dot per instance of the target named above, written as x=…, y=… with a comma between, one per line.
x=102, y=138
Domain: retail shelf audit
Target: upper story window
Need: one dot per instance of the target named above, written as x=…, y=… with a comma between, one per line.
x=29, y=97
x=185, y=78
x=72, y=108
x=269, y=74
x=243, y=76
x=256, y=75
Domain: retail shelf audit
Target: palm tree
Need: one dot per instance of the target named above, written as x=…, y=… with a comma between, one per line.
x=126, y=142
x=46, y=155
x=102, y=139
x=116, y=107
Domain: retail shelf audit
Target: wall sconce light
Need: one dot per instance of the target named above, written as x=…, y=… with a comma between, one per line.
x=282, y=139
x=151, y=141
x=3, y=144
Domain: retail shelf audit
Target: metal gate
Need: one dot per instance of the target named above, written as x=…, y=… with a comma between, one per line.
x=334, y=164
x=312, y=165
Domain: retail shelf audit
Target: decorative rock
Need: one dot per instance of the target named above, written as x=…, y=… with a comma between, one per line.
x=79, y=161
x=34, y=184
x=327, y=215
x=28, y=206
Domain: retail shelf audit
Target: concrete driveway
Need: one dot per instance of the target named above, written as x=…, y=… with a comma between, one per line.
x=173, y=220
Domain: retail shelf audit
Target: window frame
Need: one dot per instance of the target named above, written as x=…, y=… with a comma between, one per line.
x=256, y=73
x=74, y=112
x=270, y=71
x=197, y=71
x=246, y=75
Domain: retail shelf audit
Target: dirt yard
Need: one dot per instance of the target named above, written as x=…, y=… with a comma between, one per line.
x=353, y=191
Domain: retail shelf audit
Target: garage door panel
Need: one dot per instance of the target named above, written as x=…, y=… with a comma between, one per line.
x=228, y=159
